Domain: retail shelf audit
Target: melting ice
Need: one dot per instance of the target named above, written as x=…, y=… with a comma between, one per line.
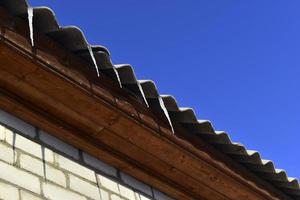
x=143, y=94
x=93, y=59
x=163, y=107
x=30, y=23
x=118, y=77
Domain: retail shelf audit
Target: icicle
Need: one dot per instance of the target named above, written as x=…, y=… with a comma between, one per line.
x=30, y=23
x=118, y=77
x=163, y=107
x=93, y=59
x=143, y=94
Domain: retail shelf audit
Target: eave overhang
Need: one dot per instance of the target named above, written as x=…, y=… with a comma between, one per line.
x=38, y=85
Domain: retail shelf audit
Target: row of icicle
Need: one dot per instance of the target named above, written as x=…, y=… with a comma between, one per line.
x=161, y=102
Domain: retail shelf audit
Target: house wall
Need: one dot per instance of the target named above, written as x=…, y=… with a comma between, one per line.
x=36, y=165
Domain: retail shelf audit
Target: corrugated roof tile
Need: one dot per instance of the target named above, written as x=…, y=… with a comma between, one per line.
x=73, y=39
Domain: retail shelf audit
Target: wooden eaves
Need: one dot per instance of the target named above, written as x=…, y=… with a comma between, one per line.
x=52, y=89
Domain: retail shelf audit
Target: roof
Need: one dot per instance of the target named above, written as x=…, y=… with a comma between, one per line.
x=73, y=39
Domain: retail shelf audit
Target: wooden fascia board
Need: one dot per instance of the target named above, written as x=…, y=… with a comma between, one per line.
x=79, y=113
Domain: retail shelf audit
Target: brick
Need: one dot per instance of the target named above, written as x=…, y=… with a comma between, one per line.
x=34, y=149
x=104, y=195
x=8, y=136
x=17, y=124
x=38, y=167
x=8, y=192
x=144, y=198
x=59, y=145
x=109, y=184
x=115, y=197
x=28, y=196
x=161, y=196
x=126, y=192
x=137, y=196
x=54, y=192
x=76, y=168
x=129, y=180
x=100, y=165
x=19, y=177
x=7, y=153
x=2, y=133
x=84, y=187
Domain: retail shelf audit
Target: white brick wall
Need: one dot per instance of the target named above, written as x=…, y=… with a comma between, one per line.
x=109, y=184
x=6, y=153
x=34, y=148
x=21, y=178
x=104, y=194
x=54, y=192
x=8, y=192
x=28, y=196
x=7, y=135
x=42, y=169
x=2, y=133
x=143, y=197
x=115, y=197
x=31, y=171
x=83, y=187
x=126, y=192
x=76, y=168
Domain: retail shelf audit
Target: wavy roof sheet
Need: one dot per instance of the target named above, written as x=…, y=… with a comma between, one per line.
x=73, y=39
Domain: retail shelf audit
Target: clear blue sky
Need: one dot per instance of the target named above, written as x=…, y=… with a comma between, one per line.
x=235, y=62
